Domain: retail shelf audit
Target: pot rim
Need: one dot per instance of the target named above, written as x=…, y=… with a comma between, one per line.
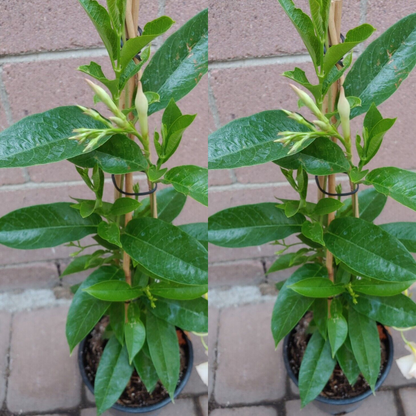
x=352, y=400
x=152, y=407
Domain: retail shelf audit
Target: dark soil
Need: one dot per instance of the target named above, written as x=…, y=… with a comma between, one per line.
x=135, y=394
x=338, y=386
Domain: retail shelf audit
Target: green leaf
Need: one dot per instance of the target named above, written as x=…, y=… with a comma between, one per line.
x=169, y=205
x=354, y=37
x=94, y=70
x=165, y=251
x=118, y=156
x=322, y=157
x=189, y=180
x=370, y=202
x=79, y=264
x=180, y=63
x=42, y=226
x=398, y=310
x=313, y=231
x=198, y=230
x=113, y=291
x=110, y=232
x=337, y=327
x=300, y=77
x=305, y=28
x=189, y=315
x=397, y=183
x=164, y=351
x=335, y=74
x=171, y=290
x=44, y=138
x=326, y=206
x=317, y=287
x=403, y=231
x=316, y=368
x=382, y=67
x=146, y=370
x=101, y=20
x=290, y=307
x=348, y=364
x=379, y=288
x=132, y=68
x=251, y=140
x=154, y=174
x=319, y=309
x=105, y=243
x=86, y=311
x=365, y=342
x=123, y=206
x=251, y=225
x=117, y=314
x=116, y=11
x=151, y=31
x=286, y=261
x=113, y=374
x=369, y=250
x=134, y=331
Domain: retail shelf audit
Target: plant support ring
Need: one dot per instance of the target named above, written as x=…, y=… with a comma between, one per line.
x=113, y=177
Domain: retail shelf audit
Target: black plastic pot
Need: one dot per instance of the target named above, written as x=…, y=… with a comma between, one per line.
x=342, y=406
x=153, y=410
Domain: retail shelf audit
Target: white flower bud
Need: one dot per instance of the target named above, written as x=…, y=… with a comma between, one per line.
x=307, y=100
x=104, y=97
x=142, y=107
x=344, y=113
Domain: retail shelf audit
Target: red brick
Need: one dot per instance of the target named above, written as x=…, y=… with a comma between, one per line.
x=220, y=177
x=266, y=173
x=12, y=176
x=54, y=380
x=213, y=323
x=3, y=119
x=38, y=275
x=249, y=369
x=242, y=272
x=39, y=26
x=5, y=323
x=56, y=172
x=246, y=29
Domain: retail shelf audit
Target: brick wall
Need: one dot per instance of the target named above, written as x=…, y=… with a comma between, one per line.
x=251, y=44
x=42, y=42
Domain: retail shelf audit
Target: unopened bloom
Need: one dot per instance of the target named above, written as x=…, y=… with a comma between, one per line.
x=105, y=98
x=407, y=364
x=142, y=107
x=344, y=110
x=307, y=100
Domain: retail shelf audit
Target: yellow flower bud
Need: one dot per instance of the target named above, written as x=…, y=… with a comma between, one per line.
x=344, y=113
x=142, y=107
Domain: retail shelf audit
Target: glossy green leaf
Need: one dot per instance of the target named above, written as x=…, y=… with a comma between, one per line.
x=165, y=251
x=326, y=206
x=113, y=291
x=116, y=11
x=42, y=226
x=118, y=156
x=397, y=183
x=305, y=28
x=354, y=37
x=117, y=314
x=316, y=287
x=110, y=232
x=85, y=310
x=94, y=70
x=250, y=140
x=335, y=74
x=169, y=205
x=101, y=20
x=44, y=138
x=348, y=364
x=286, y=261
x=180, y=63
x=300, y=77
x=379, y=288
x=313, y=231
x=134, y=331
x=123, y=206
x=164, y=351
x=398, y=310
x=146, y=370
x=319, y=309
x=369, y=250
x=132, y=68
x=79, y=264
x=251, y=225
x=189, y=315
x=290, y=307
x=322, y=157
x=370, y=202
x=383, y=66
x=113, y=374
x=337, y=327
x=365, y=342
x=170, y=290
x=316, y=368
x=198, y=230
x=151, y=31
x=403, y=231
x=189, y=180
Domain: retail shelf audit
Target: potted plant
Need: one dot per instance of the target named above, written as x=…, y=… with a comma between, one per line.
x=354, y=275
x=130, y=314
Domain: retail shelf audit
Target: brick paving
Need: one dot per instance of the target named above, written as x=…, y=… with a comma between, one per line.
x=38, y=376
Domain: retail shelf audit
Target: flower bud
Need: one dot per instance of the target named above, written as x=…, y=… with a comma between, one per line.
x=142, y=107
x=120, y=122
x=307, y=100
x=104, y=97
x=322, y=125
x=344, y=113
